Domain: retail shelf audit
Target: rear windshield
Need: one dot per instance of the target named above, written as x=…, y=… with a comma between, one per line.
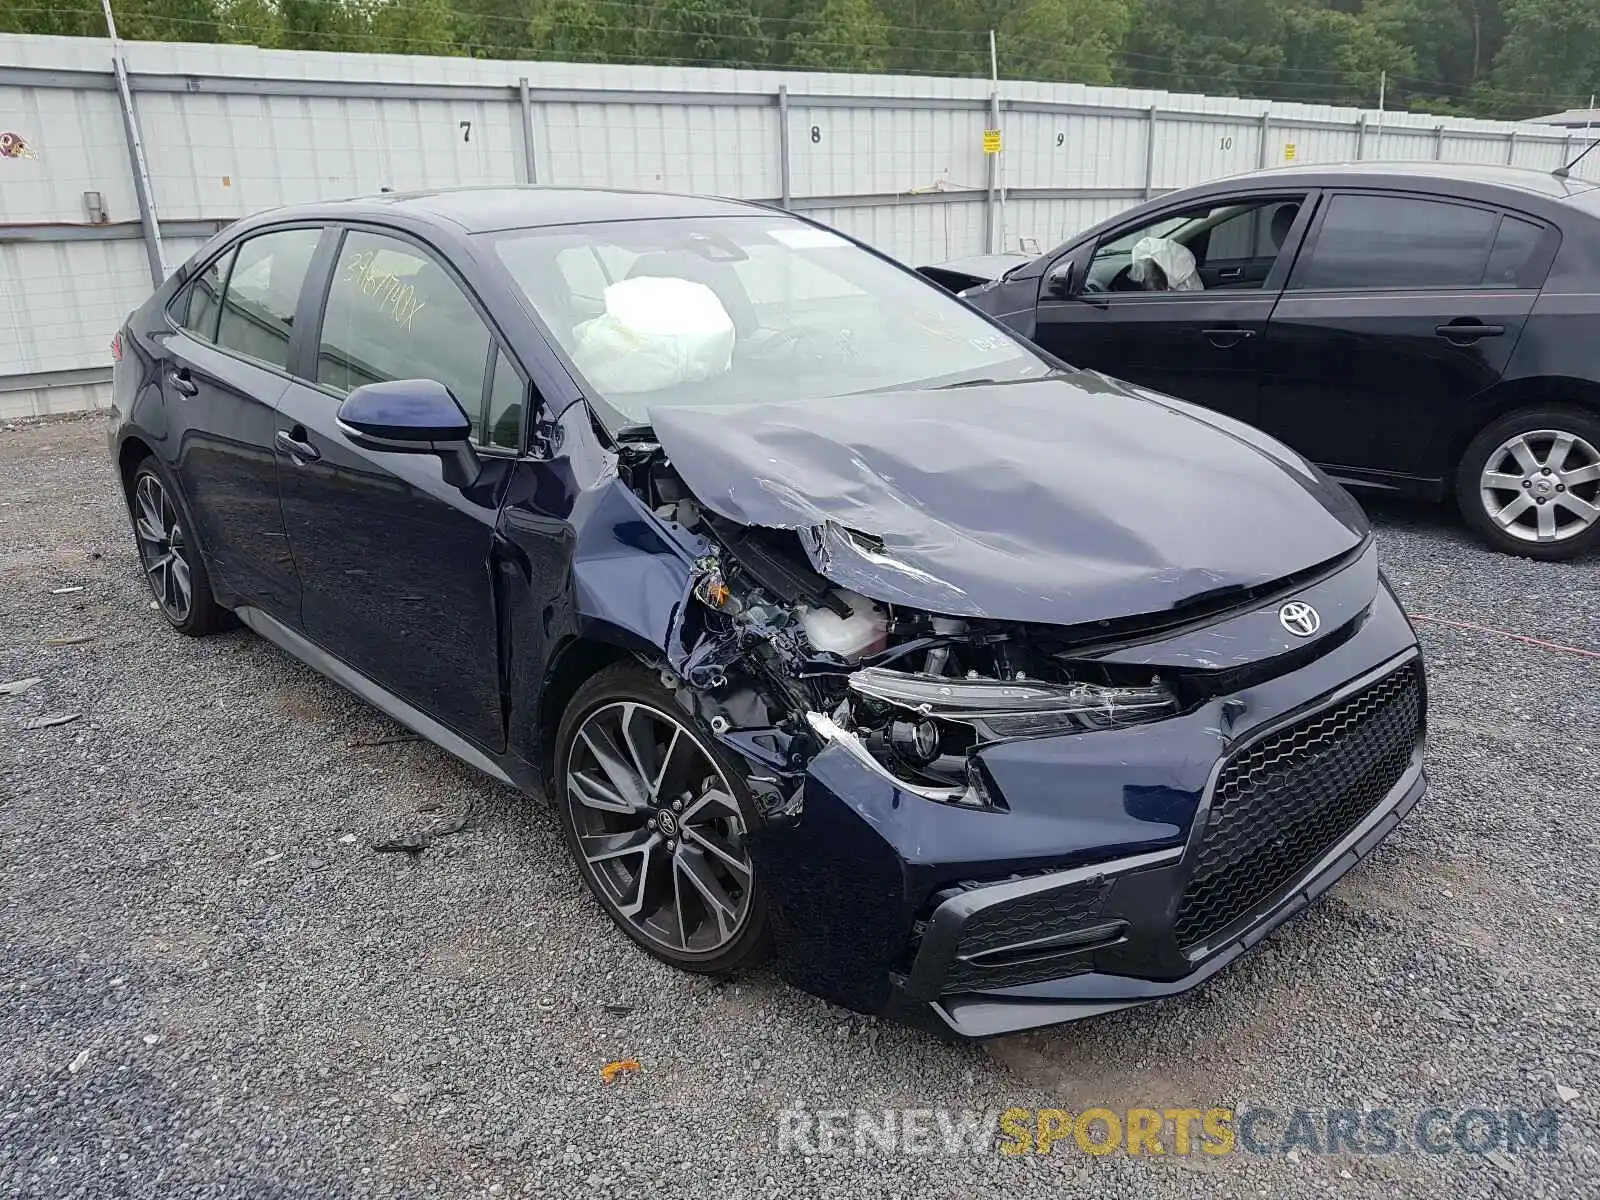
x=740, y=310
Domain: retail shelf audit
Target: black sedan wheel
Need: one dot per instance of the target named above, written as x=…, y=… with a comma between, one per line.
x=172, y=564
x=1530, y=483
x=657, y=818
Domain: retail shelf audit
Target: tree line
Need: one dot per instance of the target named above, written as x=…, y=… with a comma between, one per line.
x=1493, y=58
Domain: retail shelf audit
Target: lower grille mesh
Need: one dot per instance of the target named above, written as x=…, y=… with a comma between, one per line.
x=1018, y=922
x=1285, y=801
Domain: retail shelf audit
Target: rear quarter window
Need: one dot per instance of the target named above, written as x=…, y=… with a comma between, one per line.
x=197, y=310
x=1520, y=256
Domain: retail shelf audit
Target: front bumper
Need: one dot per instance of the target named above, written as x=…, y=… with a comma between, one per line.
x=1129, y=865
x=918, y=998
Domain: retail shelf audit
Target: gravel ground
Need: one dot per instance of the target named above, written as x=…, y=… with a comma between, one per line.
x=211, y=985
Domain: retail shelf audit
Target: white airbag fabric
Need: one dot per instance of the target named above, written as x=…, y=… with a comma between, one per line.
x=1174, y=259
x=655, y=333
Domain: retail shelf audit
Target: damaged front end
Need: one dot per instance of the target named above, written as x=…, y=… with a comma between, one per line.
x=910, y=694
x=979, y=824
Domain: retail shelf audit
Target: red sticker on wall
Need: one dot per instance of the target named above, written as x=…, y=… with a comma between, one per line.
x=14, y=145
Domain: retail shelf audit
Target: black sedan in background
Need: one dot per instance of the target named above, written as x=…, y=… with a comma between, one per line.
x=840, y=624
x=1425, y=329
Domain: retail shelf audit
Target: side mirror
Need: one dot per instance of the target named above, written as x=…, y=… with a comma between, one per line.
x=412, y=416
x=1062, y=283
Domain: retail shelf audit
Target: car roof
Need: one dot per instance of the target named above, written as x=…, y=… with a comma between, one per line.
x=486, y=209
x=1428, y=173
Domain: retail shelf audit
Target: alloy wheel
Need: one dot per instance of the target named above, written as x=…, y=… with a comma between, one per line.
x=659, y=828
x=163, y=549
x=1542, y=486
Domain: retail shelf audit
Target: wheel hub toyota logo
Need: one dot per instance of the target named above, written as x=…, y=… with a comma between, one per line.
x=1299, y=618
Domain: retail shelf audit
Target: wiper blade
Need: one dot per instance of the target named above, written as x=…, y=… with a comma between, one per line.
x=986, y=382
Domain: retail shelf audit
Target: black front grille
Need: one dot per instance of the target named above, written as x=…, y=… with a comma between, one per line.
x=1283, y=802
x=1014, y=923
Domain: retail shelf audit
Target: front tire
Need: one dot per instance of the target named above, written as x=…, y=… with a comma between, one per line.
x=170, y=557
x=657, y=817
x=1529, y=484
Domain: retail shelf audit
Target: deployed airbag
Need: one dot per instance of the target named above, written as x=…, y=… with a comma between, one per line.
x=1173, y=259
x=655, y=333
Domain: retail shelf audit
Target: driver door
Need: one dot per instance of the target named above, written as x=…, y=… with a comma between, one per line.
x=1204, y=345
x=394, y=560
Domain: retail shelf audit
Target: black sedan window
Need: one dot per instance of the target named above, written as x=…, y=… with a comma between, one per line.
x=741, y=310
x=204, y=298
x=1371, y=241
x=394, y=313
x=263, y=289
x=1512, y=261
x=1232, y=245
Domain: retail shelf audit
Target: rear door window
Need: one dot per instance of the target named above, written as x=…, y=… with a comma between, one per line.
x=257, y=315
x=393, y=312
x=1377, y=242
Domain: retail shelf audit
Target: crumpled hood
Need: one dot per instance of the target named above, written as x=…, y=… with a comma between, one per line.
x=1062, y=500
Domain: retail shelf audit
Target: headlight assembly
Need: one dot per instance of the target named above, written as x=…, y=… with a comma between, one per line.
x=997, y=708
x=919, y=731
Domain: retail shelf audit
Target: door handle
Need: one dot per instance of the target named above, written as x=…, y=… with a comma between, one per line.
x=1468, y=331
x=1227, y=339
x=181, y=383
x=297, y=448
x=1231, y=273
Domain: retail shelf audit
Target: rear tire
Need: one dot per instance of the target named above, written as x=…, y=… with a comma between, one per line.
x=173, y=565
x=1529, y=483
x=656, y=815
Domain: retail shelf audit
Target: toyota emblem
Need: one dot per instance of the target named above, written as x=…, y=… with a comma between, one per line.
x=1299, y=618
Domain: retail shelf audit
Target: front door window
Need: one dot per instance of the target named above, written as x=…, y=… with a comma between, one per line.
x=1224, y=246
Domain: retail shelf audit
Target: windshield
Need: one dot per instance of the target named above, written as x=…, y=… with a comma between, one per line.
x=744, y=310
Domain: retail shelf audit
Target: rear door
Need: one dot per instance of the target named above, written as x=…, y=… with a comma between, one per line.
x=1401, y=308
x=1202, y=344
x=394, y=562
x=224, y=370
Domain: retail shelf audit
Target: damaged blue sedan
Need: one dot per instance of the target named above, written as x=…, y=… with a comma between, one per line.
x=844, y=629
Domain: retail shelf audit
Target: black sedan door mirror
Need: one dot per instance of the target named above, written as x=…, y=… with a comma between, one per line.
x=1062, y=282
x=412, y=416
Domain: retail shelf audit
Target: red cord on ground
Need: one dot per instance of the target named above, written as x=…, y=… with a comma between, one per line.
x=1507, y=634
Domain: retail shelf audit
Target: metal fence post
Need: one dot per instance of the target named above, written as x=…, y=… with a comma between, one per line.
x=1438, y=141
x=785, y=180
x=529, y=173
x=1511, y=146
x=1361, y=136
x=991, y=224
x=1261, y=150
x=141, y=174
x=1150, y=153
